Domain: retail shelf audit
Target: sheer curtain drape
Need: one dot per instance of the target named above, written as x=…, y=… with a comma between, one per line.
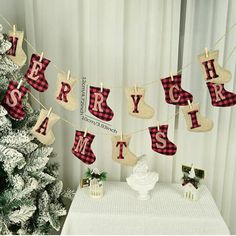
x=123, y=42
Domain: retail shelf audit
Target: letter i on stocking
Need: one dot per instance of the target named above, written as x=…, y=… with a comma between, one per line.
x=195, y=121
x=121, y=152
x=43, y=127
x=35, y=73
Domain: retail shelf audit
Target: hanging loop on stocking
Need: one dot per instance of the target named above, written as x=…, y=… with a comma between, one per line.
x=171, y=76
x=158, y=125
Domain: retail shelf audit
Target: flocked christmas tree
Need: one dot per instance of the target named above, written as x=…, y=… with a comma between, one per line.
x=31, y=195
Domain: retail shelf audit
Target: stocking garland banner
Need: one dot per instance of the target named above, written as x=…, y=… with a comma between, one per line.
x=214, y=74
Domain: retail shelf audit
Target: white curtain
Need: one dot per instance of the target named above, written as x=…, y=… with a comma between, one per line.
x=123, y=42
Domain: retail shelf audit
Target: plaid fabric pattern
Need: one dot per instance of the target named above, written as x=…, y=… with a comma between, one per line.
x=169, y=149
x=194, y=120
x=106, y=114
x=221, y=97
x=16, y=112
x=12, y=50
x=121, y=144
x=85, y=154
x=178, y=93
x=41, y=83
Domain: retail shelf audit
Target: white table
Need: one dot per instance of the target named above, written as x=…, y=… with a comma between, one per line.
x=120, y=212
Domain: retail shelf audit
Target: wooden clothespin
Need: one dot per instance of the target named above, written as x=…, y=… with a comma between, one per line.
x=68, y=75
x=14, y=29
x=41, y=57
x=206, y=52
x=190, y=105
x=171, y=76
x=101, y=88
x=121, y=136
x=158, y=125
x=135, y=86
x=85, y=132
x=18, y=86
x=49, y=112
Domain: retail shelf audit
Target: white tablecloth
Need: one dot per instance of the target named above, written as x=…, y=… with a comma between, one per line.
x=120, y=212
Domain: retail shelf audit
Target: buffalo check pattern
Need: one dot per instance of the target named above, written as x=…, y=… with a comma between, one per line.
x=16, y=112
x=41, y=83
x=226, y=99
x=87, y=156
x=178, y=93
x=170, y=148
x=12, y=50
x=106, y=114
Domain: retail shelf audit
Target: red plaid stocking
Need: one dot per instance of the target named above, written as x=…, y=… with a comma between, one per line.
x=160, y=141
x=98, y=105
x=12, y=100
x=221, y=97
x=82, y=147
x=174, y=94
x=35, y=73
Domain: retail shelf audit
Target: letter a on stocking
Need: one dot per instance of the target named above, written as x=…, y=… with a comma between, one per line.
x=121, y=152
x=16, y=53
x=136, y=105
x=82, y=147
x=98, y=103
x=211, y=69
x=43, y=127
x=64, y=93
x=160, y=141
x=12, y=100
x=35, y=73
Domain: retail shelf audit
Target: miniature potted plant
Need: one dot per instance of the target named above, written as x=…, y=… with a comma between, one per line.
x=191, y=182
x=97, y=179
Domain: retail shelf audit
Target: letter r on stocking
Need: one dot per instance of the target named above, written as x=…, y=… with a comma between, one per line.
x=65, y=89
x=98, y=102
x=218, y=92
